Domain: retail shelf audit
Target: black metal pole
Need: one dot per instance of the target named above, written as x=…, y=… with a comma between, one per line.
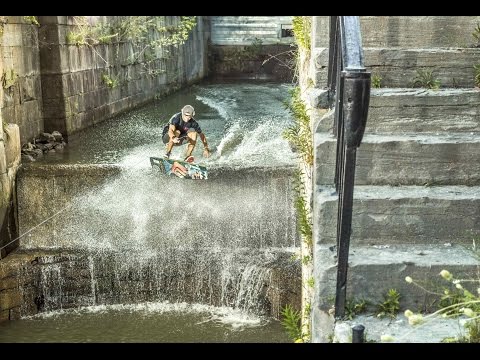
x=345, y=229
x=358, y=334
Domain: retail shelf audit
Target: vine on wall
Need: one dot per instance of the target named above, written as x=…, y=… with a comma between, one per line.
x=150, y=36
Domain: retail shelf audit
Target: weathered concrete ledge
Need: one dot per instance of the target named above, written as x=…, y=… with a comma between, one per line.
x=406, y=110
x=450, y=159
x=374, y=270
x=72, y=170
x=403, y=215
x=407, y=31
x=399, y=67
x=389, y=267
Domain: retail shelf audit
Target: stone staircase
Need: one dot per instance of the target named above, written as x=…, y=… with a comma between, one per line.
x=417, y=188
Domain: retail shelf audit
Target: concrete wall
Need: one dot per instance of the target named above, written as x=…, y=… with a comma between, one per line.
x=22, y=100
x=51, y=85
x=243, y=30
x=9, y=154
x=75, y=94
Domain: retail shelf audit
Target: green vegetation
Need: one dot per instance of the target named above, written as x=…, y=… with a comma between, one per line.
x=3, y=21
x=31, y=20
x=353, y=308
x=302, y=28
x=303, y=210
x=9, y=78
x=110, y=81
x=299, y=134
x=477, y=74
x=291, y=321
x=390, y=306
x=5, y=128
x=131, y=28
x=476, y=35
x=455, y=301
x=150, y=37
x=426, y=79
x=376, y=81
x=307, y=259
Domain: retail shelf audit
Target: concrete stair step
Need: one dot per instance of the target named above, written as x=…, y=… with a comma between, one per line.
x=406, y=110
x=409, y=31
x=418, y=31
x=374, y=270
x=388, y=215
x=399, y=67
x=408, y=159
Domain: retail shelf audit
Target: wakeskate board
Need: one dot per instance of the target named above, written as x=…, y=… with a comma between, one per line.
x=180, y=168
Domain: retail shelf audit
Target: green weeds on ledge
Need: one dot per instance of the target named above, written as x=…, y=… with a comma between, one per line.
x=302, y=28
x=110, y=81
x=476, y=35
x=300, y=137
x=303, y=210
x=390, y=306
x=9, y=78
x=455, y=301
x=132, y=28
x=31, y=20
x=376, y=81
x=299, y=134
x=426, y=79
x=477, y=74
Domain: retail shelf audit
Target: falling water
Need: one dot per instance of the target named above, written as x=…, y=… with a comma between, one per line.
x=142, y=237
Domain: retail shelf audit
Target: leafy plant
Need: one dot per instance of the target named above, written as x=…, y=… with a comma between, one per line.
x=3, y=21
x=9, y=78
x=291, y=321
x=299, y=134
x=390, y=306
x=149, y=36
x=477, y=74
x=303, y=211
x=353, y=308
x=307, y=259
x=31, y=20
x=302, y=27
x=455, y=301
x=376, y=81
x=426, y=79
x=5, y=128
x=111, y=82
x=476, y=35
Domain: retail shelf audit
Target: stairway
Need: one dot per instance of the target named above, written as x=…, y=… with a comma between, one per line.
x=416, y=204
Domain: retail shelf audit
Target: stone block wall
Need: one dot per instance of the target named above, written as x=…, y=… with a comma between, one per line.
x=75, y=78
x=20, y=76
x=50, y=84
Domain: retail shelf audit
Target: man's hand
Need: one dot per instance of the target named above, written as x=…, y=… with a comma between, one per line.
x=175, y=140
x=206, y=152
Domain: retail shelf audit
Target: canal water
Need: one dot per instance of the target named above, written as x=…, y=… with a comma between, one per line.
x=145, y=323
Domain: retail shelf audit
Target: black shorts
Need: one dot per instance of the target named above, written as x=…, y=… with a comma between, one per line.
x=166, y=138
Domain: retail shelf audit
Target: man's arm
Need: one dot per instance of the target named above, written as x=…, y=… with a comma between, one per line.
x=171, y=133
x=204, y=140
x=206, y=150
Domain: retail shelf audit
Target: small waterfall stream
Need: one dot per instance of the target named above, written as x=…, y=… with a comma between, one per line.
x=137, y=237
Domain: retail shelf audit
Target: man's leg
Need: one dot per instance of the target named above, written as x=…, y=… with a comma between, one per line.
x=169, y=142
x=192, y=141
